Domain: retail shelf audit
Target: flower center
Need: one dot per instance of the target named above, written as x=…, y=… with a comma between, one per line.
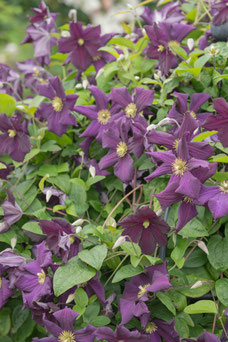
x=36, y=71
x=57, y=104
x=188, y=199
x=131, y=110
x=175, y=144
x=41, y=277
x=224, y=186
x=66, y=336
x=71, y=238
x=193, y=114
x=96, y=58
x=151, y=327
x=160, y=48
x=80, y=41
x=83, y=284
x=179, y=167
x=12, y=133
x=146, y=224
x=173, y=43
x=103, y=116
x=142, y=290
x=121, y=149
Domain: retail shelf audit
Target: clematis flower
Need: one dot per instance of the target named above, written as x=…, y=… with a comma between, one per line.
x=43, y=15
x=216, y=197
x=13, y=137
x=61, y=238
x=5, y=291
x=137, y=289
x=220, y=11
x=4, y=170
x=163, y=37
x=146, y=228
x=12, y=211
x=170, y=13
x=180, y=107
x=199, y=150
x=130, y=106
x=119, y=155
x=100, y=113
x=82, y=45
x=58, y=112
x=33, y=280
x=10, y=82
x=204, y=337
x=120, y=334
x=219, y=121
x=9, y=259
x=63, y=328
x=158, y=330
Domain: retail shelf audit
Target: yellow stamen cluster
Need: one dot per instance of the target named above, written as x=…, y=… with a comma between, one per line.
x=96, y=58
x=12, y=133
x=193, y=114
x=121, y=149
x=179, y=167
x=80, y=41
x=41, y=277
x=224, y=186
x=151, y=327
x=146, y=224
x=57, y=104
x=175, y=144
x=131, y=110
x=66, y=336
x=72, y=239
x=188, y=199
x=142, y=290
x=103, y=116
x=160, y=48
x=36, y=71
x=83, y=284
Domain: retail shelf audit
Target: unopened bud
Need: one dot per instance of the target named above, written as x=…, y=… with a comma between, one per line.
x=159, y=212
x=65, y=34
x=152, y=126
x=70, y=298
x=13, y=242
x=156, y=77
x=78, y=229
x=78, y=86
x=85, y=84
x=48, y=195
x=197, y=284
x=78, y=222
x=73, y=14
x=190, y=43
x=202, y=246
x=99, y=73
x=120, y=58
x=92, y=171
x=119, y=241
x=137, y=78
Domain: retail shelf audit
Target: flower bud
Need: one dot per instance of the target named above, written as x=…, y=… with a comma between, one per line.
x=92, y=171
x=190, y=43
x=202, y=246
x=78, y=222
x=78, y=229
x=48, y=195
x=197, y=284
x=119, y=242
x=73, y=14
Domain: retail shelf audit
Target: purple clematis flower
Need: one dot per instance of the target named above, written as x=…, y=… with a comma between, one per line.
x=12, y=211
x=216, y=197
x=163, y=37
x=219, y=122
x=120, y=334
x=220, y=10
x=180, y=107
x=100, y=113
x=10, y=82
x=33, y=280
x=61, y=238
x=137, y=289
x=146, y=228
x=5, y=291
x=9, y=259
x=204, y=337
x=129, y=106
x=35, y=75
x=13, y=137
x=43, y=15
x=82, y=45
x=158, y=330
x=170, y=13
x=63, y=328
x=199, y=150
x=4, y=170
x=58, y=112
x=119, y=154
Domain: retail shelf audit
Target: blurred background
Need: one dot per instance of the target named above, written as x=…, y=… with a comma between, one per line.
x=14, y=20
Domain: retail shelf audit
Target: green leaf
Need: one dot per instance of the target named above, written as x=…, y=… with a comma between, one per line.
x=203, y=136
x=218, y=252
x=7, y=237
x=202, y=306
x=131, y=248
x=166, y=301
x=36, y=101
x=178, y=253
x=32, y=227
x=100, y=321
x=221, y=288
x=109, y=49
x=127, y=271
x=80, y=297
x=50, y=146
x=194, y=228
x=75, y=272
x=219, y=158
x=122, y=42
x=19, y=317
x=201, y=61
x=94, y=256
x=7, y=104
x=4, y=321
x=94, y=180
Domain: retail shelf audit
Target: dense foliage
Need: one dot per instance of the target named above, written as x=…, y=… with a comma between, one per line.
x=114, y=181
